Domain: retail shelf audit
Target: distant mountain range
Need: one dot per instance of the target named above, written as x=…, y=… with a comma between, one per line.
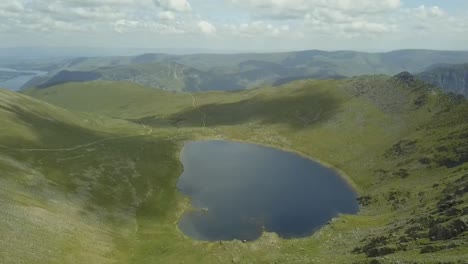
x=7, y=75
x=28, y=53
x=451, y=78
x=202, y=72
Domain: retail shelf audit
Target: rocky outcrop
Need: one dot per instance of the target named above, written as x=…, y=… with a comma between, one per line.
x=405, y=77
x=448, y=231
x=451, y=78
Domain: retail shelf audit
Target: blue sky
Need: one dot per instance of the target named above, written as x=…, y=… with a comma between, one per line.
x=269, y=25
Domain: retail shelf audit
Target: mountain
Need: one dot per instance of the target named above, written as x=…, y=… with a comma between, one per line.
x=29, y=122
x=450, y=77
x=174, y=76
x=28, y=53
x=95, y=177
x=204, y=72
x=70, y=76
x=70, y=182
x=124, y=100
x=164, y=76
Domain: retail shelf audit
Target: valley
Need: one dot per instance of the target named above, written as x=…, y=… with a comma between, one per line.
x=230, y=72
x=233, y=131
x=91, y=169
x=15, y=79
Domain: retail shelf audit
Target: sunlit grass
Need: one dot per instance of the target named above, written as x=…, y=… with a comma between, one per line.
x=117, y=201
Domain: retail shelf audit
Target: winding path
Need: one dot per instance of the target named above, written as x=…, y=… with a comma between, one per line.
x=150, y=131
x=79, y=146
x=194, y=100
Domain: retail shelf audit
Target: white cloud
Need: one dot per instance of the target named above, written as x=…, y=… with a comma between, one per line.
x=12, y=6
x=367, y=27
x=296, y=9
x=314, y=23
x=91, y=16
x=256, y=29
x=206, y=27
x=428, y=12
x=125, y=26
x=340, y=24
x=167, y=16
x=94, y=3
x=364, y=6
x=174, y=5
x=344, y=17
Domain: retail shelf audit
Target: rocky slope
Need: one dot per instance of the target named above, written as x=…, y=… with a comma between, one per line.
x=451, y=78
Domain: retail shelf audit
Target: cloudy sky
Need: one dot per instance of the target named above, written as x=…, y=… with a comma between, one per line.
x=372, y=25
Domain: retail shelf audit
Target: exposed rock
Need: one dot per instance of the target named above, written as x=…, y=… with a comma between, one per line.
x=445, y=205
x=465, y=211
x=381, y=251
x=447, y=231
x=405, y=77
x=416, y=232
x=402, y=173
x=377, y=246
x=452, y=212
x=404, y=239
x=429, y=249
x=364, y=200
x=402, y=148
x=420, y=101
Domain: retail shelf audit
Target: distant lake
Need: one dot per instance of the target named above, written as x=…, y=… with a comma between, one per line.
x=240, y=190
x=15, y=84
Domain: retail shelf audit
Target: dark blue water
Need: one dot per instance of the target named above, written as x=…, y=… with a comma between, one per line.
x=239, y=190
x=15, y=84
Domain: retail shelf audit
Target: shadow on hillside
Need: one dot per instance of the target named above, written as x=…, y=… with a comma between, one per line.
x=300, y=109
x=48, y=131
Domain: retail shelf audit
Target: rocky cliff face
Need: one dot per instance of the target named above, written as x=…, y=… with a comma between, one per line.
x=451, y=78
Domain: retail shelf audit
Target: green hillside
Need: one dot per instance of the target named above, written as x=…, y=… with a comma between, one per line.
x=109, y=194
x=117, y=99
x=54, y=165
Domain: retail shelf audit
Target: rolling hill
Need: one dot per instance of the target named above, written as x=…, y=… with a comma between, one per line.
x=51, y=171
x=205, y=72
x=108, y=195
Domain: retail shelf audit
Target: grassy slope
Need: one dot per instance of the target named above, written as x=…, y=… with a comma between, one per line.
x=119, y=99
x=43, y=220
x=365, y=127
x=162, y=75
